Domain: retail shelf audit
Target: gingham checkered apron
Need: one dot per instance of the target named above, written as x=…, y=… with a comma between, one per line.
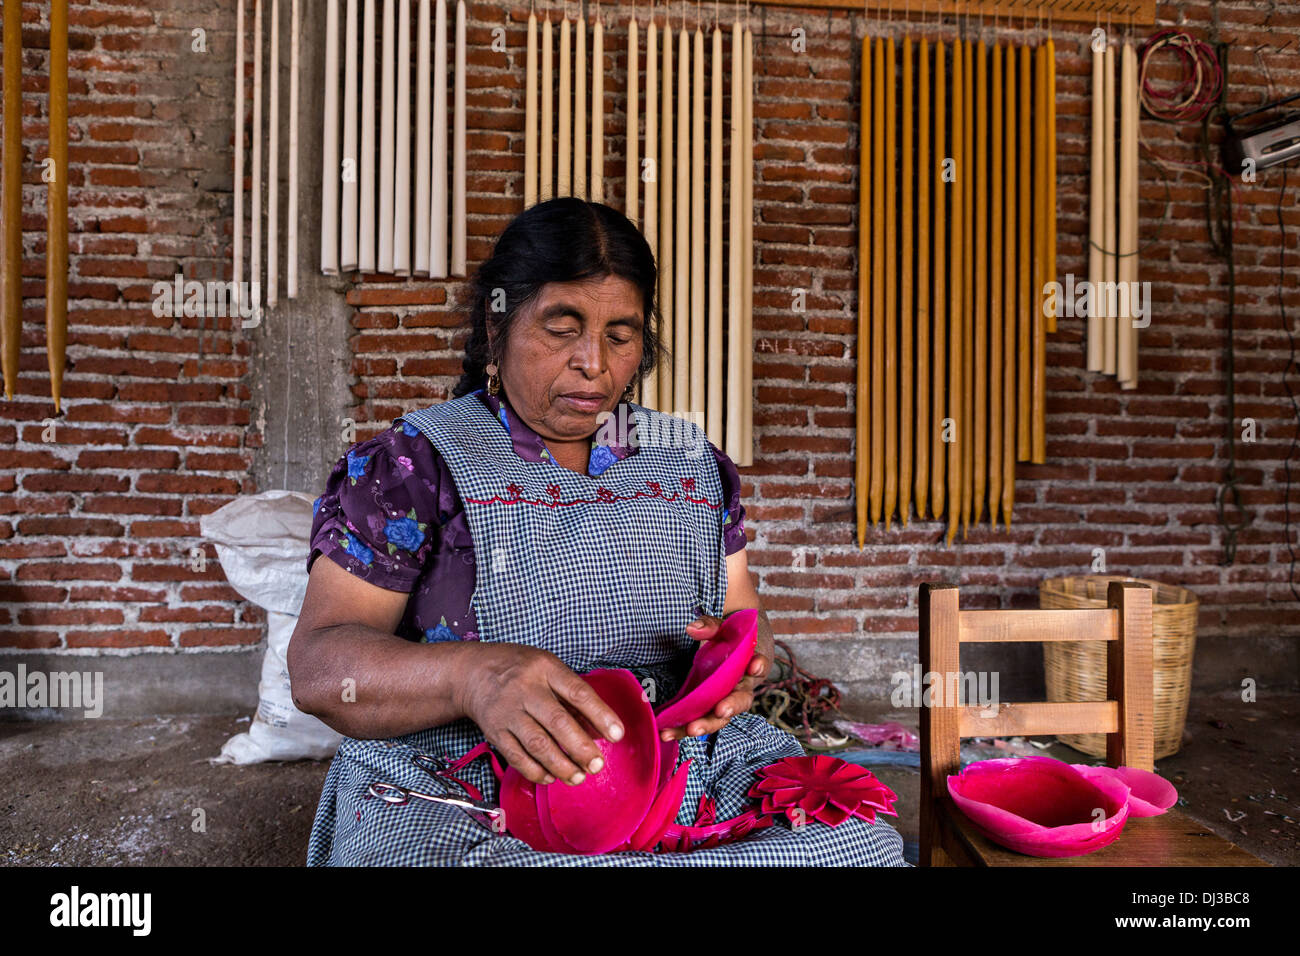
x=602, y=573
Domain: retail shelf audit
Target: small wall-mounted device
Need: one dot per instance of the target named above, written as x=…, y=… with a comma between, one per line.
x=1268, y=142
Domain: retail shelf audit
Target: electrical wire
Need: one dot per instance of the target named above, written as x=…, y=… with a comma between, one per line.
x=1198, y=89
x=1218, y=224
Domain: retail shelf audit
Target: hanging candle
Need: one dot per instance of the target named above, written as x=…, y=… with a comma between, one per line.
x=924, y=317
x=348, y=170
x=366, y=240
x=631, y=166
x=906, y=315
x=891, y=287
x=423, y=170
x=997, y=177
x=530, y=113
x=667, y=226
x=956, y=316
x=862, y=397
x=980, y=250
x=699, y=318
x=713, y=422
x=291, y=251
x=546, y=139
x=682, y=281
x=564, y=159
x=877, y=281
x=458, y=152
x=597, y=185
x=387, y=138
x=255, y=244
x=938, y=461
x=747, y=257
x=580, y=108
x=1096, y=179
x=650, y=178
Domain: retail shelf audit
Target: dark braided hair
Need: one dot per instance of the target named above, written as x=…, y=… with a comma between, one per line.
x=560, y=240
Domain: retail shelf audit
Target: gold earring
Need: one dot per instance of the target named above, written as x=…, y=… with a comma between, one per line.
x=629, y=392
x=494, y=380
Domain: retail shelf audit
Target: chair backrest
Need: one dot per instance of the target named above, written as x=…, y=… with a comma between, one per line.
x=1126, y=716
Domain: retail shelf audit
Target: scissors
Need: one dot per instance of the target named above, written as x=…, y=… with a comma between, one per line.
x=438, y=768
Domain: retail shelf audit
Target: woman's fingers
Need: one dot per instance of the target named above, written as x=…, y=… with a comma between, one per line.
x=517, y=757
x=569, y=734
x=542, y=748
x=577, y=693
x=703, y=628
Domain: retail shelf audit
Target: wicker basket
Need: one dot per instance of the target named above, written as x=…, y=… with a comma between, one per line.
x=1076, y=670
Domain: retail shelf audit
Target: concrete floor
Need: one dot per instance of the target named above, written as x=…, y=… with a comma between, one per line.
x=115, y=792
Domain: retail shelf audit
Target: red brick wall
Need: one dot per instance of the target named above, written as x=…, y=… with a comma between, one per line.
x=97, y=525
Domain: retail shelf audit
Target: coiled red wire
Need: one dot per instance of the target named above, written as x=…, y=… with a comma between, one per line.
x=1197, y=89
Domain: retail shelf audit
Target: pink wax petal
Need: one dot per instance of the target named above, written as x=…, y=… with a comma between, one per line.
x=1149, y=794
x=662, y=812
x=519, y=801
x=669, y=750
x=865, y=813
x=833, y=816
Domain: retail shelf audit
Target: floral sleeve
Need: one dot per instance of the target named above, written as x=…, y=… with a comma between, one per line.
x=733, y=519
x=378, y=517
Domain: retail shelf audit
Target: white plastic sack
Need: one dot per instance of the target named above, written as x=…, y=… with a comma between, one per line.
x=262, y=542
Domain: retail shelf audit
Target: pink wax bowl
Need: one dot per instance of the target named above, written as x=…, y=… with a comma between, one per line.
x=603, y=812
x=718, y=667
x=1040, y=806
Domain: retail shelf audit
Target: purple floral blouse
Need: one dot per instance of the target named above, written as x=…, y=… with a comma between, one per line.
x=391, y=515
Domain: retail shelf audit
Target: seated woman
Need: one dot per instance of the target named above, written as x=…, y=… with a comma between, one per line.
x=486, y=551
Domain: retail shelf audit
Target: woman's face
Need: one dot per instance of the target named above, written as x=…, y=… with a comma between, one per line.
x=571, y=353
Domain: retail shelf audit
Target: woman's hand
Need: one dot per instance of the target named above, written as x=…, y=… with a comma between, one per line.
x=737, y=702
x=532, y=709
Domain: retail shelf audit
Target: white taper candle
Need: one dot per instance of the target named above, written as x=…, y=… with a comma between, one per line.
x=747, y=256
x=735, y=245
x=348, y=169
x=387, y=137
x=423, y=168
x=650, y=222
x=366, y=231
x=438, y=187
x=402, y=174
x=713, y=420
x=273, y=167
x=530, y=114
x=580, y=109
x=699, y=318
x=291, y=216
x=682, y=280
x=458, y=181
x=564, y=157
x=255, y=244
x=631, y=179
x=546, y=139
x=237, y=251
x=667, y=228
x=597, y=184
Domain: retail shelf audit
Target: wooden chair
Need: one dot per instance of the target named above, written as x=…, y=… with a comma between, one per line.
x=947, y=836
